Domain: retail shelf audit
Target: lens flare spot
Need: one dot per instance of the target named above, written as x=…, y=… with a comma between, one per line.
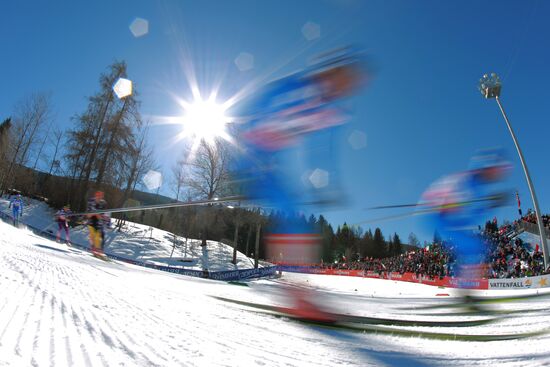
x=319, y=178
x=244, y=61
x=123, y=88
x=152, y=180
x=139, y=27
x=358, y=140
x=311, y=31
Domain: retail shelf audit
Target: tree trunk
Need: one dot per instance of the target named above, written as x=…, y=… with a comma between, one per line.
x=103, y=162
x=95, y=146
x=257, y=248
x=247, y=252
x=235, y=240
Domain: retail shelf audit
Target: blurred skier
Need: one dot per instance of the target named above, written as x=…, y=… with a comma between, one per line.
x=459, y=202
x=16, y=205
x=96, y=223
x=284, y=115
x=62, y=219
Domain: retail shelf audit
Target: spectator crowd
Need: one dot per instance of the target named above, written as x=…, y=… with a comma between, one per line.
x=505, y=256
x=530, y=217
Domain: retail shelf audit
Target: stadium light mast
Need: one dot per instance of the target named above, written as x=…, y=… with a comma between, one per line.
x=490, y=86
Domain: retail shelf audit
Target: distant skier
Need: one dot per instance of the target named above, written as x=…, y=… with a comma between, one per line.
x=459, y=202
x=16, y=205
x=62, y=219
x=96, y=223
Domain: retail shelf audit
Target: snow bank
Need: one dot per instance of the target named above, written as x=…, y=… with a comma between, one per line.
x=141, y=243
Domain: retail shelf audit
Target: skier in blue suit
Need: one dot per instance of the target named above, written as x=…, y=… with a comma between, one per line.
x=460, y=202
x=284, y=115
x=16, y=205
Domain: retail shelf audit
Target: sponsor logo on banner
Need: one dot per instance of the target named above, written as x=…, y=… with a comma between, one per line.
x=524, y=283
x=504, y=284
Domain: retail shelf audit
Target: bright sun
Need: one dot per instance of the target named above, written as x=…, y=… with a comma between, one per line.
x=205, y=120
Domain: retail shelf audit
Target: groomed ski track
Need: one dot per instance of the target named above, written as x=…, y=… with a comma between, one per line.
x=62, y=307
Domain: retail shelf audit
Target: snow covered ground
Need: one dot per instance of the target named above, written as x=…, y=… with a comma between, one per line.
x=140, y=242
x=60, y=306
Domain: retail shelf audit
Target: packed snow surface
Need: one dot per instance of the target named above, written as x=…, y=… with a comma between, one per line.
x=60, y=306
x=140, y=242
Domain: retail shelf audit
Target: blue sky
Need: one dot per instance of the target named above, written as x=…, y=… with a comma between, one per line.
x=422, y=113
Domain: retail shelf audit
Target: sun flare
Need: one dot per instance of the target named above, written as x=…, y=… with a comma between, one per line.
x=204, y=120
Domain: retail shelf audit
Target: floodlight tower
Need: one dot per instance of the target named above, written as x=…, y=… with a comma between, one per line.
x=490, y=86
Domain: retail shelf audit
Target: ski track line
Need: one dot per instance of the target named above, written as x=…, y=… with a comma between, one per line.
x=43, y=348
x=14, y=305
x=89, y=345
x=22, y=322
x=88, y=360
x=41, y=345
x=111, y=334
x=108, y=335
x=85, y=328
x=162, y=349
x=74, y=344
x=10, y=284
x=57, y=333
x=152, y=323
x=27, y=284
x=113, y=323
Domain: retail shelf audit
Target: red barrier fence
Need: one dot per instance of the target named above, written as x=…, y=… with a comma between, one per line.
x=406, y=277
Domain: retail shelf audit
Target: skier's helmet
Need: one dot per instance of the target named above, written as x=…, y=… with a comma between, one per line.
x=340, y=71
x=99, y=195
x=490, y=163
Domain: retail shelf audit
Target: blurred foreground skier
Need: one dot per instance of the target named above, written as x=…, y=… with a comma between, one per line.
x=458, y=203
x=16, y=205
x=283, y=116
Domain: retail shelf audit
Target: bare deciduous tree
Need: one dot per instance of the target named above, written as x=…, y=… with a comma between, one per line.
x=4, y=148
x=55, y=140
x=30, y=115
x=207, y=176
x=178, y=179
x=102, y=148
x=208, y=170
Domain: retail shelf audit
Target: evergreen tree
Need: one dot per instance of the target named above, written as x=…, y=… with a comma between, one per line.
x=389, y=246
x=312, y=223
x=327, y=238
x=413, y=240
x=367, y=245
x=437, y=237
x=379, y=245
x=397, y=245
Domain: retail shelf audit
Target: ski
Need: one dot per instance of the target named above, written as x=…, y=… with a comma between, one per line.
x=101, y=257
x=160, y=206
x=486, y=312
x=427, y=209
x=473, y=302
x=366, y=320
x=460, y=203
x=385, y=329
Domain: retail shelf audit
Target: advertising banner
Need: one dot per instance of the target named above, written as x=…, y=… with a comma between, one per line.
x=542, y=281
x=405, y=277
